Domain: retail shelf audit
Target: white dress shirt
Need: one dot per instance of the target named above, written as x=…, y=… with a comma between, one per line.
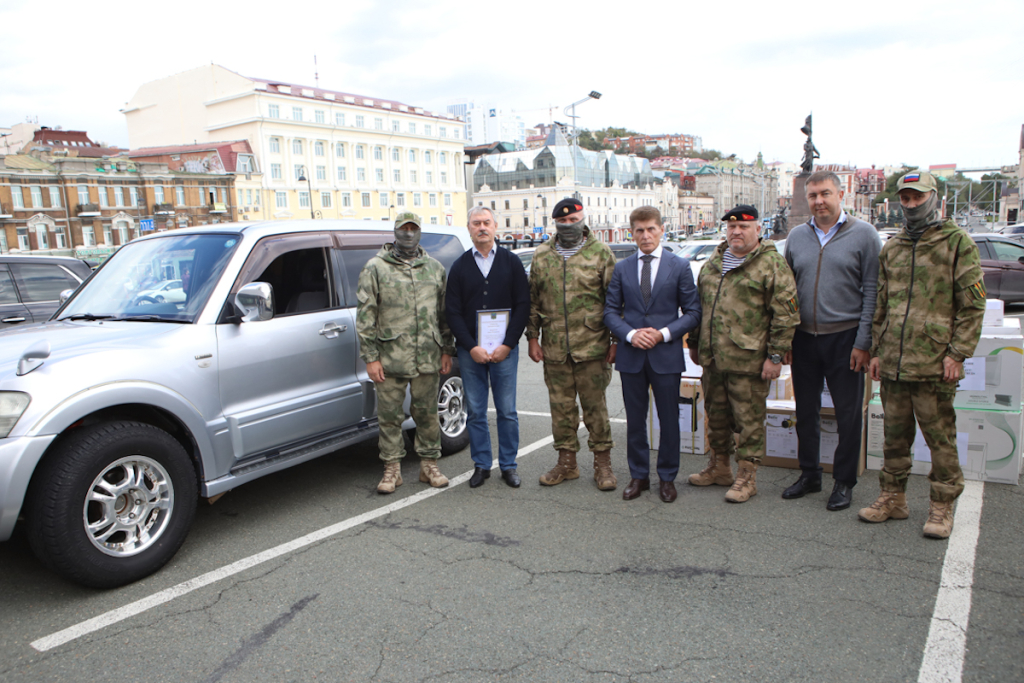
x=484, y=263
x=655, y=262
x=824, y=237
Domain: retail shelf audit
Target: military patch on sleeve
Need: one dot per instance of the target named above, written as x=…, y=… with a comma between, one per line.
x=976, y=292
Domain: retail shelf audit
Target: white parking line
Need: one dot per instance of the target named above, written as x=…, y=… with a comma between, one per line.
x=943, y=660
x=138, y=607
x=529, y=413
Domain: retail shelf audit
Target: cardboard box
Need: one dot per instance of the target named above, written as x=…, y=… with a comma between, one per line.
x=781, y=389
x=781, y=438
x=1009, y=326
x=988, y=443
x=993, y=313
x=692, y=419
x=994, y=375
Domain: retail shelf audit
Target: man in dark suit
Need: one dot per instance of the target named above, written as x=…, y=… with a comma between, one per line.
x=646, y=294
x=488, y=278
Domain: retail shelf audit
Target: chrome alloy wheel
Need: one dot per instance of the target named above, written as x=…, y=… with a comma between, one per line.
x=451, y=407
x=128, y=506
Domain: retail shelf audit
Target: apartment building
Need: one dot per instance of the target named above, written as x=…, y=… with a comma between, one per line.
x=322, y=153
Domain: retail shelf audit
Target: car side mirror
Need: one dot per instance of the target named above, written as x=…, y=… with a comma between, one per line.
x=256, y=301
x=1021, y=260
x=64, y=296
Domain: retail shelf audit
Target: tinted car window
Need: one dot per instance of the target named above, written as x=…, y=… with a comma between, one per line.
x=42, y=282
x=1005, y=251
x=445, y=248
x=8, y=295
x=983, y=251
x=354, y=260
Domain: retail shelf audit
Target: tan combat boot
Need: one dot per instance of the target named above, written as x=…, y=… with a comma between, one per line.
x=718, y=472
x=565, y=469
x=429, y=474
x=745, y=485
x=392, y=477
x=603, y=474
x=889, y=504
x=940, y=520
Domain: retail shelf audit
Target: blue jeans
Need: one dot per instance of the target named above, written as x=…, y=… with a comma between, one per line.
x=475, y=381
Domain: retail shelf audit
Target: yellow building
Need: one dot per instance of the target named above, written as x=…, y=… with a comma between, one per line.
x=321, y=153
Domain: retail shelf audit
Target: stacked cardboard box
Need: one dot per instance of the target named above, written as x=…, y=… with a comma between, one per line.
x=781, y=440
x=989, y=419
x=693, y=437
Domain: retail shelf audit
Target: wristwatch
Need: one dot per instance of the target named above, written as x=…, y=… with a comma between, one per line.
x=775, y=358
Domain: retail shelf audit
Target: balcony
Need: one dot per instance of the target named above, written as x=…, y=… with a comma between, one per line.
x=219, y=208
x=86, y=210
x=5, y=211
x=163, y=209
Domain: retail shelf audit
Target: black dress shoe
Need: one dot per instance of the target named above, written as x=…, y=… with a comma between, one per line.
x=635, y=487
x=842, y=496
x=511, y=478
x=803, y=486
x=667, y=491
x=480, y=475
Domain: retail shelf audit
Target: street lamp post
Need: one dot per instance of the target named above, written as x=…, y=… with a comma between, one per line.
x=302, y=176
x=594, y=95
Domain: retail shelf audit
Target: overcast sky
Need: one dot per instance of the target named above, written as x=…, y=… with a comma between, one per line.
x=887, y=84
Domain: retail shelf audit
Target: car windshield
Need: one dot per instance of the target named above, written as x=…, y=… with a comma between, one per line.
x=167, y=279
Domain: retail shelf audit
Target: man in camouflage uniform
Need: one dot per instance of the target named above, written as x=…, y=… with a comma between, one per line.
x=569, y=276
x=404, y=339
x=931, y=301
x=748, y=295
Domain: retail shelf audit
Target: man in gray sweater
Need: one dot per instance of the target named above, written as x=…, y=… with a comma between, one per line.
x=835, y=260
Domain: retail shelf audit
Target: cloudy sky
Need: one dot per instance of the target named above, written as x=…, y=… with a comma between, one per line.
x=887, y=84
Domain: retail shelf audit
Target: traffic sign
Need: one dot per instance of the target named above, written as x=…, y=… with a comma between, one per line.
x=146, y=225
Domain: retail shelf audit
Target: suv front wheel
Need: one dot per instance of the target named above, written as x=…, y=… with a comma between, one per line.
x=111, y=503
x=451, y=411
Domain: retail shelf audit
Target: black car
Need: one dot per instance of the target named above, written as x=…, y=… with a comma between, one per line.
x=30, y=286
x=1002, y=260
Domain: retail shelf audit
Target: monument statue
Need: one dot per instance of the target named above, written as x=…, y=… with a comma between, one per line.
x=779, y=224
x=810, y=151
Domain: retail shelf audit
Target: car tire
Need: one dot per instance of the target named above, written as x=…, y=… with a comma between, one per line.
x=451, y=410
x=90, y=492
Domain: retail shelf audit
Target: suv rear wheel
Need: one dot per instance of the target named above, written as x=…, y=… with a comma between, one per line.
x=111, y=503
x=451, y=411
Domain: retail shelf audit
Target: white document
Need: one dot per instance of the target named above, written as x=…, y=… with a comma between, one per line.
x=685, y=418
x=491, y=327
x=974, y=375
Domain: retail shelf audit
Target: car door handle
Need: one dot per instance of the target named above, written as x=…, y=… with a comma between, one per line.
x=13, y=320
x=330, y=330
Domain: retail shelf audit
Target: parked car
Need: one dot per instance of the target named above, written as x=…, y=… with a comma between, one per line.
x=525, y=255
x=30, y=286
x=168, y=290
x=118, y=414
x=1002, y=261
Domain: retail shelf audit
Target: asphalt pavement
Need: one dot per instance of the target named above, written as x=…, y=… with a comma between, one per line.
x=565, y=583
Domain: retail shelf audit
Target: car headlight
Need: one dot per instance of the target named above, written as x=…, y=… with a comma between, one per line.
x=12, y=406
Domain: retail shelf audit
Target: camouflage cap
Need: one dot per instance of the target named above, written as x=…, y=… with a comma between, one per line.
x=917, y=180
x=408, y=217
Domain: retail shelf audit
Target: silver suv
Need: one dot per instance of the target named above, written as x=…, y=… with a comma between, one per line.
x=127, y=406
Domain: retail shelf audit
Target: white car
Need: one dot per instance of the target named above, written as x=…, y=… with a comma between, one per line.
x=166, y=291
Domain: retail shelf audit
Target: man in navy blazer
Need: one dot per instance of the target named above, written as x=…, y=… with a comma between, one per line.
x=642, y=307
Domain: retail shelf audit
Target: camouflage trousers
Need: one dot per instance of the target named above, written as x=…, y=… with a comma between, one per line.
x=423, y=408
x=932, y=404
x=735, y=404
x=589, y=380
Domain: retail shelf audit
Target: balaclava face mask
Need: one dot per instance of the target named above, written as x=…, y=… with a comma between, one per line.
x=921, y=217
x=407, y=242
x=571, y=234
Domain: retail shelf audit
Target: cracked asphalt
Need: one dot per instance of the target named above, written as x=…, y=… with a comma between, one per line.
x=536, y=584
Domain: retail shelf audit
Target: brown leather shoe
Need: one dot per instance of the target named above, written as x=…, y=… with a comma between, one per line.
x=667, y=491
x=635, y=487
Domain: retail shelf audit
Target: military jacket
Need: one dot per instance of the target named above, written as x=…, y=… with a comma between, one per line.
x=400, y=320
x=567, y=301
x=931, y=302
x=750, y=313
